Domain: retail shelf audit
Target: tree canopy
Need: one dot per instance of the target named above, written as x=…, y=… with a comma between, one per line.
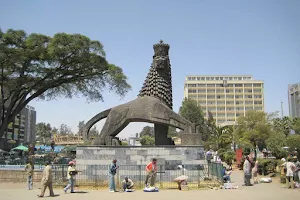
x=252, y=129
x=192, y=112
x=39, y=66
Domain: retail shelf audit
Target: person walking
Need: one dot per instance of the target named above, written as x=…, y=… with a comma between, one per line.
x=151, y=170
x=29, y=172
x=71, y=177
x=112, y=172
x=290, y=168
x=47, y=180
x=247, y=171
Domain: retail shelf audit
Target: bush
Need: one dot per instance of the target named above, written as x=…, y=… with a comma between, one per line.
x=266, y=166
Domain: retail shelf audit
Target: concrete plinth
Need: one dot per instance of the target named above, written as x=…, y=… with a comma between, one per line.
x=137, y=155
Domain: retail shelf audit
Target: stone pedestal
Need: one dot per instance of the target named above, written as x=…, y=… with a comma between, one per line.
x=140, y=155
x=161, y=135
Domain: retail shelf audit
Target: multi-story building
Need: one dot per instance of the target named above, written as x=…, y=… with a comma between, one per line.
x=294, y=100
x=21, y=130
x=226, y=97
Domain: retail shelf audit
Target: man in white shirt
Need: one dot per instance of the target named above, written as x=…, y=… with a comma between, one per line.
x=290, y=168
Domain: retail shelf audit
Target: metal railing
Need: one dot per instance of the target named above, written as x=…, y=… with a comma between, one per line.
x=97, y=175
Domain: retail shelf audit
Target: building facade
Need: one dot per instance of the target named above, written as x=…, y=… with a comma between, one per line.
x=226, y=97
x=21, y=130
x=294, y=100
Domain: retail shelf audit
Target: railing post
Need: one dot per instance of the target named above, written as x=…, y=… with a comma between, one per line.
x=199, y=175
x=140, y=171
x=160, y=176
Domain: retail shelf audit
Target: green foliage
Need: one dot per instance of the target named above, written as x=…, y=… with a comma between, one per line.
x=124, y=143
x=296, y=125
x=147, y=130
x=192, y=112
x=172, y=132
x=147, y=140
x=275, y=144
x=266, y=166
x=221, y=138
x=44, y=132
x=293, y=142
x=65, y=130
x=282, y=125
x=252, y=129
x=39, y=66
x=227, y=156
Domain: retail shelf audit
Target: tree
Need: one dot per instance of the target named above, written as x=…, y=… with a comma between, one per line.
x=94, y=131
x=252, y=129
x=80, y=126
x=147, y=140
x=43, y=132
x=147, y=130
x=172, y=132
x=65, y=130
x=293, y=142
x=39, y=66
x=296, y=125
x=221, y=138
x=275, y=144
x=192, y=112
x=283, y=125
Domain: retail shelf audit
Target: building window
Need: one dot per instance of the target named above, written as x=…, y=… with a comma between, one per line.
x=229, y=102
x=248, y=96
x=248, y=85
x=219, y=85
x=238, y=85
x=202, y=78
x=248, y=108
x=210, y=85
x=221, y=78
x=201, y=85
x=256, y=85
x=249, y=91
x=192, y=85
x=258, y=102
x=210, y=91
x=201, y=91
x=257, y=90
x=257, y=96
x=217, y=78
x=210, y=97
x=239, y=78
x=192, y=91
x=230, y=78
x=257, y=108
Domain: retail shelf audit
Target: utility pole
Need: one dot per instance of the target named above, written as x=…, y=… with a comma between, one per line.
x=281, y=109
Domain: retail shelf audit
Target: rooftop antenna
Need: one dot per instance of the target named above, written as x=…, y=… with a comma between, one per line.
x=281, y=109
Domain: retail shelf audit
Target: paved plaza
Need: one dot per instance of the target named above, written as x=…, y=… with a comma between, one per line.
x=268, y=191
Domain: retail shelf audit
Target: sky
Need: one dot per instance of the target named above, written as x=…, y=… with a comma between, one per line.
x=256, y=37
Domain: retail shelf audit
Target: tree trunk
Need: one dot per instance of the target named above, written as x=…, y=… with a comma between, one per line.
x=3, y=128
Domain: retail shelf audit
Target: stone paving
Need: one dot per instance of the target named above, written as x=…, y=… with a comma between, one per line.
x=269, y=191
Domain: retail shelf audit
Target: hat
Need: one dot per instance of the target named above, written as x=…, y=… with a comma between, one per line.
x=71, y=163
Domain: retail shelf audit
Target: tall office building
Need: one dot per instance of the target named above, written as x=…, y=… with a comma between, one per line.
x=294, y=100
x=21, y=130
x=226, y=97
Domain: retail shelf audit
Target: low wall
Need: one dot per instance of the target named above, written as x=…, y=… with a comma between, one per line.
x=169, y=156
x=18, y=176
